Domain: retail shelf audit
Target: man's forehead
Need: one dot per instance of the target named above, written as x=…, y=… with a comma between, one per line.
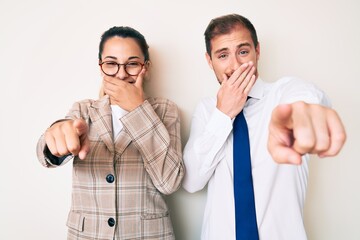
x=236, y=37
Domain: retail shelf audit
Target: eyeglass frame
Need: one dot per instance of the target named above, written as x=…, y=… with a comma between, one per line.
x=121, y=64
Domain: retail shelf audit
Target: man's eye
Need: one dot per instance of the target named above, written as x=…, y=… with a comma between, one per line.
x=221, y=56
x=243, y=52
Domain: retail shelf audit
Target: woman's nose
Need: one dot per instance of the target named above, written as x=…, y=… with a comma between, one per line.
x=122, y=74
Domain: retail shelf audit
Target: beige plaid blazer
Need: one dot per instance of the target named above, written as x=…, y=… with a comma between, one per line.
x=117, y=191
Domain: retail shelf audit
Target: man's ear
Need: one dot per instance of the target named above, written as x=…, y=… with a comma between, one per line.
x=208, y=58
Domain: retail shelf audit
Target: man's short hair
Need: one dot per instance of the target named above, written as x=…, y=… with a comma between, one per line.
x=224, y=25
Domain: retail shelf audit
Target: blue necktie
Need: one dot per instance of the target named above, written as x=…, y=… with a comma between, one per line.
x=245, y=214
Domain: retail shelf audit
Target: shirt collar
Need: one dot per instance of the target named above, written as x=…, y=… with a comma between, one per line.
x=118, y=112
x=257, y=91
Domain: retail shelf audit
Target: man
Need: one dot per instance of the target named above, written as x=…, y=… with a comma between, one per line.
x=285, y=121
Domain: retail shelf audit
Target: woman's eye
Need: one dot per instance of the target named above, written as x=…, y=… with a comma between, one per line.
x=111, y=63
x=132, y=64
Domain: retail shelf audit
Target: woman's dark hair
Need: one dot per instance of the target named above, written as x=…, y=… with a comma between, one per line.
x=125, y=32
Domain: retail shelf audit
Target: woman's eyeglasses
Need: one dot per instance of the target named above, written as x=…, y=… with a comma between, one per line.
x=111, y=68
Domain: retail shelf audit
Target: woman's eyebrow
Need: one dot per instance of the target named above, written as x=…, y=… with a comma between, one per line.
x=133, y=57
x=112, y=57
x=115, y=58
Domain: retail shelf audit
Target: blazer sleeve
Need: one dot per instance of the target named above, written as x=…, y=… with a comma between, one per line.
x=157, y=138
x=43, y=153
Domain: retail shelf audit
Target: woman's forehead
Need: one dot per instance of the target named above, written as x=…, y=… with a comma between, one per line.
x=119, y=46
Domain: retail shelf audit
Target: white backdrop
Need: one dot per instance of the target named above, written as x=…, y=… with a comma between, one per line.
x=49, y=60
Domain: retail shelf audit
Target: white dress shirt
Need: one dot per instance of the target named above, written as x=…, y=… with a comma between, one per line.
x=279, y=189
x=117, y=113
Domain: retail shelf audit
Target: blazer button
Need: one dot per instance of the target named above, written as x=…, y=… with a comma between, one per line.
x=111, y=222
x=110, y=178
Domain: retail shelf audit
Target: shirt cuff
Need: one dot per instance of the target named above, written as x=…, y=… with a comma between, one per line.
x=54, y=160
x=220, y=124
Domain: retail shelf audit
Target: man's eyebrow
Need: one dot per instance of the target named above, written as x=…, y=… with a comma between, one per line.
x=244, y=45
x=220, y=50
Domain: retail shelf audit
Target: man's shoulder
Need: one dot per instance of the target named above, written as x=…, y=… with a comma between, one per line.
x=286, y=80
x=208, y=101
x=293, y=89
x=206, y=105
x=290, y=83
x=286, y=85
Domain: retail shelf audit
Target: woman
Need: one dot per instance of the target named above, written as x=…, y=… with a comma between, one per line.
x=125, y=148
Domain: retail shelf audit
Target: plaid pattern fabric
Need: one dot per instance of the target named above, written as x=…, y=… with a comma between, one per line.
x=146, y=162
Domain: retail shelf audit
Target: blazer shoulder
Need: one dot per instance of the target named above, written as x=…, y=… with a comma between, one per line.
x=160, y=102
x=163, y=106
x=80, y=109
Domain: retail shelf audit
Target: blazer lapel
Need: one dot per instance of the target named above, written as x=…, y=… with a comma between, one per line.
x=122, y=141
x=100, y=116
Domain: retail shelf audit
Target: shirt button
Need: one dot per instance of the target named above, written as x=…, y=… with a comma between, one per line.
x=110, y=178
x=111, y=222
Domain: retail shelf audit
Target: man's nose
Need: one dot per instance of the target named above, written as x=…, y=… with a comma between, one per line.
x=122, y=74
x=234, y=64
